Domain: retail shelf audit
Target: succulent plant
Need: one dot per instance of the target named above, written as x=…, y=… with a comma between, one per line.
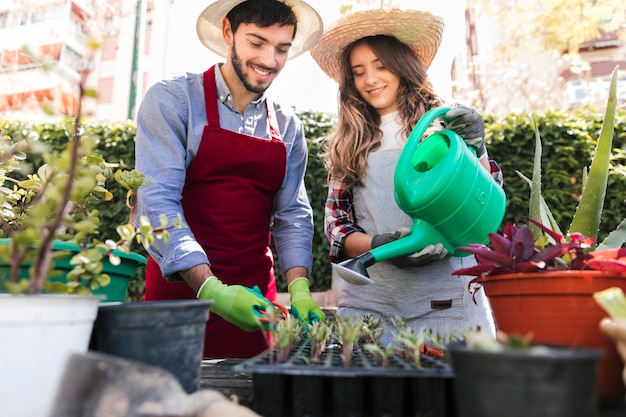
x=517, y=250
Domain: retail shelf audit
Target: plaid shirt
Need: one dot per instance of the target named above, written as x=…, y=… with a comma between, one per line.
x=339, y=220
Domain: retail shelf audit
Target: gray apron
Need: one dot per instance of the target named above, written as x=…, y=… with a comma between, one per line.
x=426, y=296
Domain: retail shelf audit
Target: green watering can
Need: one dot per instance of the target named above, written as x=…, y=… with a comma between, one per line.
x=442, y=186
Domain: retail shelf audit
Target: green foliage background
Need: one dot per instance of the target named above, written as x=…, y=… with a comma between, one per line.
x=568, y=140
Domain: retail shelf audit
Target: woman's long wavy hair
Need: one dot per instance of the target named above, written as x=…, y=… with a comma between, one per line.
x=357, y=131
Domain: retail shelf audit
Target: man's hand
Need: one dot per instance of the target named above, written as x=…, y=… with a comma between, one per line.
x=302, y=305
x=468, y=124
x=235, y=303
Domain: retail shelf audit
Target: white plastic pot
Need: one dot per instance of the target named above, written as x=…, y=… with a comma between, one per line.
x=37, y=334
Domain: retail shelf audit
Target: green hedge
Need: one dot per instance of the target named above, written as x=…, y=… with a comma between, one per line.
x=568, y=139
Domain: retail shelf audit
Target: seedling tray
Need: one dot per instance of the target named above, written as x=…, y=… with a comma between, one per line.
x=327, y=388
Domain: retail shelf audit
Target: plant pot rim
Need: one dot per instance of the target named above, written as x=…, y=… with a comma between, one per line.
x=5, y=296
x=73, y=247
x=553, y=352
x=550, y=274
x=142, y=305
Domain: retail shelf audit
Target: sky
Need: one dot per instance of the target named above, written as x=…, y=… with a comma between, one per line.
x=302, y=84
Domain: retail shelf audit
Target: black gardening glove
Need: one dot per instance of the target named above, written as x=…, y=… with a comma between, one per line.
x=429, y=254
x=467, y=123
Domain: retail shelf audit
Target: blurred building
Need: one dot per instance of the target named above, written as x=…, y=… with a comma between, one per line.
x=45, y=49
x=47, y=46
x=500, y=77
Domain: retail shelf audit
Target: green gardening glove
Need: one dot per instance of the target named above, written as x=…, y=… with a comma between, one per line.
x=235, y=303
x=302, y=305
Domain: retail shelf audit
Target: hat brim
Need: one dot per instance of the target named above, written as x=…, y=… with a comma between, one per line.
x=209, y=26
x=420, y=30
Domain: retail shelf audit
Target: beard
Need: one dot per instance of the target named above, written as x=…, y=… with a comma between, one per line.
x=243, y=77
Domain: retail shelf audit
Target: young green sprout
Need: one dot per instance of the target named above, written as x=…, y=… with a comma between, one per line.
x=380, y=354
x=411, y=344
x=319, y=332
x=285, y=335
x=372, y=330
x=349, y=330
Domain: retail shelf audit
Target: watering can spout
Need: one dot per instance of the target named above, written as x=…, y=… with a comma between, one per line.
x=354, y=270
x=440, y=184
x=422, y=234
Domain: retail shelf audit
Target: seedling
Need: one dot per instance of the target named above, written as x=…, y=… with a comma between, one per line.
x=285, y=336
x=349, y=330
x=319, y=333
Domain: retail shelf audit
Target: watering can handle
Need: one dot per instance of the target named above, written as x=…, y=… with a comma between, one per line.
x=423, y=123
x=418, y=132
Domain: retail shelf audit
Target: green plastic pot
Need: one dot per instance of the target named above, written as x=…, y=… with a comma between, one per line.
x=120, y=274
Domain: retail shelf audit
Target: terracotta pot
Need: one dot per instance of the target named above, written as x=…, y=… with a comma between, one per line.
x=558, y=308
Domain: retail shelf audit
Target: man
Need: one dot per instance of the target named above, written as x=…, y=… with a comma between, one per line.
x=233, y=163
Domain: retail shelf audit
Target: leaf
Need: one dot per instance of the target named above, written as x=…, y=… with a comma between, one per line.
x=545, y=214
x=607, y=265
x=536, y=198
x=586, y=219
x=615, y=239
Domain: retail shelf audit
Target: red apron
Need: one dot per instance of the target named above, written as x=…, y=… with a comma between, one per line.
x=228, y=198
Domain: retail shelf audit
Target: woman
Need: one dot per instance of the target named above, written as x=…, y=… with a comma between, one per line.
x=380, y=58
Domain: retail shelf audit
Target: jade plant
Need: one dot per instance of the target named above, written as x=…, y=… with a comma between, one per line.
x=54, y=203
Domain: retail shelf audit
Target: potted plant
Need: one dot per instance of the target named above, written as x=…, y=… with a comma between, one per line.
x=522, y=378
x=541, y=281
x=40, y=213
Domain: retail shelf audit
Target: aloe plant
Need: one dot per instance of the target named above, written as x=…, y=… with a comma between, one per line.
x=541, y=246
x=586, y=219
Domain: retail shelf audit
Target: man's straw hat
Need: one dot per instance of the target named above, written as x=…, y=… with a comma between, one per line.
x=421, y=31
x=209, y=26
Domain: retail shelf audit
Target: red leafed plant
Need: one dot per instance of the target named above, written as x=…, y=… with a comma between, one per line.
x=516, y=250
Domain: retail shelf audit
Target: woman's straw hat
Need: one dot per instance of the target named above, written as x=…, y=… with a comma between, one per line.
x=209, y=26
x=421, y=31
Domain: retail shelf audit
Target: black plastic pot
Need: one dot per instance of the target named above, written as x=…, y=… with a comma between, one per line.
x=513, y=383
x=327, y=388
x=167, y=334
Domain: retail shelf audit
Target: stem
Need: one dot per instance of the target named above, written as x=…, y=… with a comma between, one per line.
x=43, y=256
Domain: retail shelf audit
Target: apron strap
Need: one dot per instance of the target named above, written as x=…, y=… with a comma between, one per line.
x=210, y=90
x=272, y=121
x=210, y=97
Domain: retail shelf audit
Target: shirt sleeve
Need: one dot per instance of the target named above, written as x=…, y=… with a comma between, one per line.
x=496, y=172
x=292, y=227
x=339, y=219
x=161, y=155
